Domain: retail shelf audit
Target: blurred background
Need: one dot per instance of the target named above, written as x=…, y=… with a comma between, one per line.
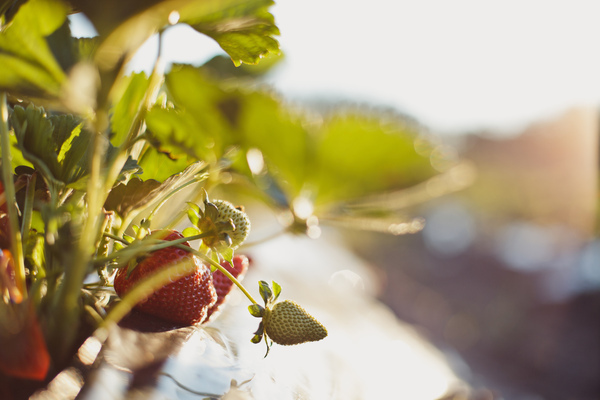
x=505, y=276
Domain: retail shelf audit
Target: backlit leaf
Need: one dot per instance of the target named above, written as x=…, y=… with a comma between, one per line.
x=245, y=30
x=28, y=64
x=358, y=154
x=125, y=111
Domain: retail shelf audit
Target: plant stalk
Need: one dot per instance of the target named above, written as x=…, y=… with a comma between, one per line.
x=9, y=190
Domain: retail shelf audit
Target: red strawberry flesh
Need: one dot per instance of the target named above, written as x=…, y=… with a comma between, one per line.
x=185, y=300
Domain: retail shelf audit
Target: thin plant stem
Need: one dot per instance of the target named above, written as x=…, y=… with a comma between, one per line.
x=149, y=246
x=218, y=266
x=115, y=237
x=16, y=244
x=28, y=209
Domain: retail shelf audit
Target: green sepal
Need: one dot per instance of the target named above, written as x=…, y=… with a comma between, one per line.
x=258, y=335
x=256, y=339
x=190, y=231
x=131, y=266
x=256, y=310
x=193, y=215
x=128, y=238
x=203, y=196
x=265, y=291
x=227, y=255
x=215, y=257
x=276, y=291
x=225, y=226
x=211, y=211
x=268, y=343
x=245, y=30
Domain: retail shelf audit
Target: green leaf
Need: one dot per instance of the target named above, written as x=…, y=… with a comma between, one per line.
x=358, y=154
x=34, y=252
x=221, y=67
x=138, y=194
x=200, y=125
x=125, y=111
x=256, y=310
x=244, y=30
x=28, y=65
x=58, y=146
x=85, y=48
x=134, y=194
x=17, y=158
x=280, y=136
x=159, y=166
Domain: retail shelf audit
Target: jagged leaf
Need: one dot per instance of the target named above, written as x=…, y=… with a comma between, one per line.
x=281, y=137
x=159, y=166
x=200, y=125
x=137, y=194
x=361, y=153
x=220, y=66
x=125, y=197
x=245, y=30
x=59, y=147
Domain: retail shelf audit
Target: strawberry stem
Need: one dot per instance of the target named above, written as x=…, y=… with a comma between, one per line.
x=116, y=237
x=218, y=266
x=144, y=246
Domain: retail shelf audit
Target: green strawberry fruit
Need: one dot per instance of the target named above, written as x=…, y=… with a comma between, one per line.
x=287, y=323
x=241, y=222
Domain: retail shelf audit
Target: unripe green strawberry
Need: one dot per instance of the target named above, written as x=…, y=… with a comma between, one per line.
x=287, y=323
x=186, y=300
x=241, y=222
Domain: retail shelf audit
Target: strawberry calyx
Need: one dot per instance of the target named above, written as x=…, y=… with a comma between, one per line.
x=222, y=226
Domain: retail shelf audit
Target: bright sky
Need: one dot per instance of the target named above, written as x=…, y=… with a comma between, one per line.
x=454, y=65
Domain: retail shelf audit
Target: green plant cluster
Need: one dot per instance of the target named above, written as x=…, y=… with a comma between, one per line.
x=87, y=150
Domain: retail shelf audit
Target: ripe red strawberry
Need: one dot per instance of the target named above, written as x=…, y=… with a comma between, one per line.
x=184, y=301
x=223, y=284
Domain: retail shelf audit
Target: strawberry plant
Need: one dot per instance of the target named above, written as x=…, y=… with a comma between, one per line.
x=96, y=161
